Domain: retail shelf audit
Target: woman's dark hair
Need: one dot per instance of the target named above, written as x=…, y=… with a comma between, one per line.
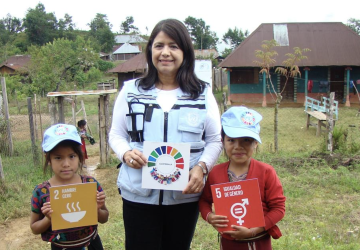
x=186, y=78
x=81, y=123
x=66, y=143
x=222, y=134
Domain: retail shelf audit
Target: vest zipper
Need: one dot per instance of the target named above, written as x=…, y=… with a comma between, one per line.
x=165, y=126
x=161, y=195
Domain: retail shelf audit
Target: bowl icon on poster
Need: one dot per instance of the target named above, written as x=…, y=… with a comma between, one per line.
x=73, y=216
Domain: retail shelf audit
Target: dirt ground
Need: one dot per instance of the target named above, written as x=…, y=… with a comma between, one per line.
x=16, y=234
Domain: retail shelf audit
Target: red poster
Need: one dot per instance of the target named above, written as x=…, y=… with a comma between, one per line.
x=240, y=201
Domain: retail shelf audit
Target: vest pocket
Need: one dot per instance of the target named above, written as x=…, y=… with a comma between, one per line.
x=130, y=180
x=191, y=124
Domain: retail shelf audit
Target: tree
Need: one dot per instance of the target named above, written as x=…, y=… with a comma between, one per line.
x=40, y=26
x=354, y=24
x=127, y=26
x=9, y=27
x=12, y=24
x=66, y=27
x=55, y=64
x=235, y=37
x=100, y=29
x=201, y=35
x=290, y=69
x=226, y=52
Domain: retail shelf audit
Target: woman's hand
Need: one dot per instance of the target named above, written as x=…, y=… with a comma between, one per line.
x=196, y=181
x=46, y=210
x=217, y=220
x=135, y=159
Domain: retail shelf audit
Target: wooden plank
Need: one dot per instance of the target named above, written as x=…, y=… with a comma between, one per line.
x=317, y=114
x=87, y=92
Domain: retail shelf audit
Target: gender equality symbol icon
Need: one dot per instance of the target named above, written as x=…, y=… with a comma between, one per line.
x=238, y=210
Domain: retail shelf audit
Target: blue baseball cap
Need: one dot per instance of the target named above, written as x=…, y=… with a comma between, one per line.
x=241, y=122
x=58, y=133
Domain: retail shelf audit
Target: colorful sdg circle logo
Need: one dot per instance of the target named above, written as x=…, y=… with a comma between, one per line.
x=166, y=163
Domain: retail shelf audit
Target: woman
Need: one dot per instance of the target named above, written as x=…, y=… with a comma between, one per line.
x=169, y=104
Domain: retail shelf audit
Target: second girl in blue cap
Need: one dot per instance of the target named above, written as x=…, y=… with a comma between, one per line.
x=240, y=136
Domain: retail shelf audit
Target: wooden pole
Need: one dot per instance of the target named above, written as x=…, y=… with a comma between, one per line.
x=330, y=117
x=61, y=109
x=102, y=130
x=2, y=176
x=33, y=141
x=7, y=116
x=41, y=131
x=52, y=110
x=107, y=126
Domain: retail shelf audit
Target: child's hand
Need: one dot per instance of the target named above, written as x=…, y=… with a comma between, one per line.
x=239, y=233
x=100, y=199
x=217, y=220
x=46, y=210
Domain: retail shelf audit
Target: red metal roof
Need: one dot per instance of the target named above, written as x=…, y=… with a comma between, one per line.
x=136, y=64
x=331, y=44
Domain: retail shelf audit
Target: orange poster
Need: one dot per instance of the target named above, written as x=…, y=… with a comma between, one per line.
x=240, y=201
x=73, y=205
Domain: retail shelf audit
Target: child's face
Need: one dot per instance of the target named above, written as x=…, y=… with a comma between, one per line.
x=64, y=163
x=240, y=150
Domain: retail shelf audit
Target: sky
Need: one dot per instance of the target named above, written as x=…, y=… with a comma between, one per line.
x=219, y=15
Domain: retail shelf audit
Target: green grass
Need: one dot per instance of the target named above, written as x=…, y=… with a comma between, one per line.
x=323, y=192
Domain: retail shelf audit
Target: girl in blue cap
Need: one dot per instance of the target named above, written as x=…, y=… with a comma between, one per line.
x=240, y=137
x=62, y=147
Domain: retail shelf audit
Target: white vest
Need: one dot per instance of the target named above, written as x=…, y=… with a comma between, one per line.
x=146, y=121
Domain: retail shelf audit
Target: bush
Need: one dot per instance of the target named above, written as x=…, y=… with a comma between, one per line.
x=104, y=66
x=94, y=75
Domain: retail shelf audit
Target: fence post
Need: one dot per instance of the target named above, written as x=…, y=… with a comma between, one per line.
x=107, y=126
x=32, y=135
x=7, y=116
x=102, y=130
x=2, y=176
x=53, y=112
x=330, y=118
x=60, y=100
x=35, y=119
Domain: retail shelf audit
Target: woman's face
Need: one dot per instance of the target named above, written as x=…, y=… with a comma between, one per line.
x=167, y=56
x=240, y=150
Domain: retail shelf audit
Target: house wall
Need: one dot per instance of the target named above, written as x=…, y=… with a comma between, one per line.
x=123, y=77
x=123, y=56
x=6, y=70
x=253, y=92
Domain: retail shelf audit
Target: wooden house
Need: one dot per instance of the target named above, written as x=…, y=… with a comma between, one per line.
x=332, y=63
x=15, y=65
x=126, y=51
x=132, y=68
